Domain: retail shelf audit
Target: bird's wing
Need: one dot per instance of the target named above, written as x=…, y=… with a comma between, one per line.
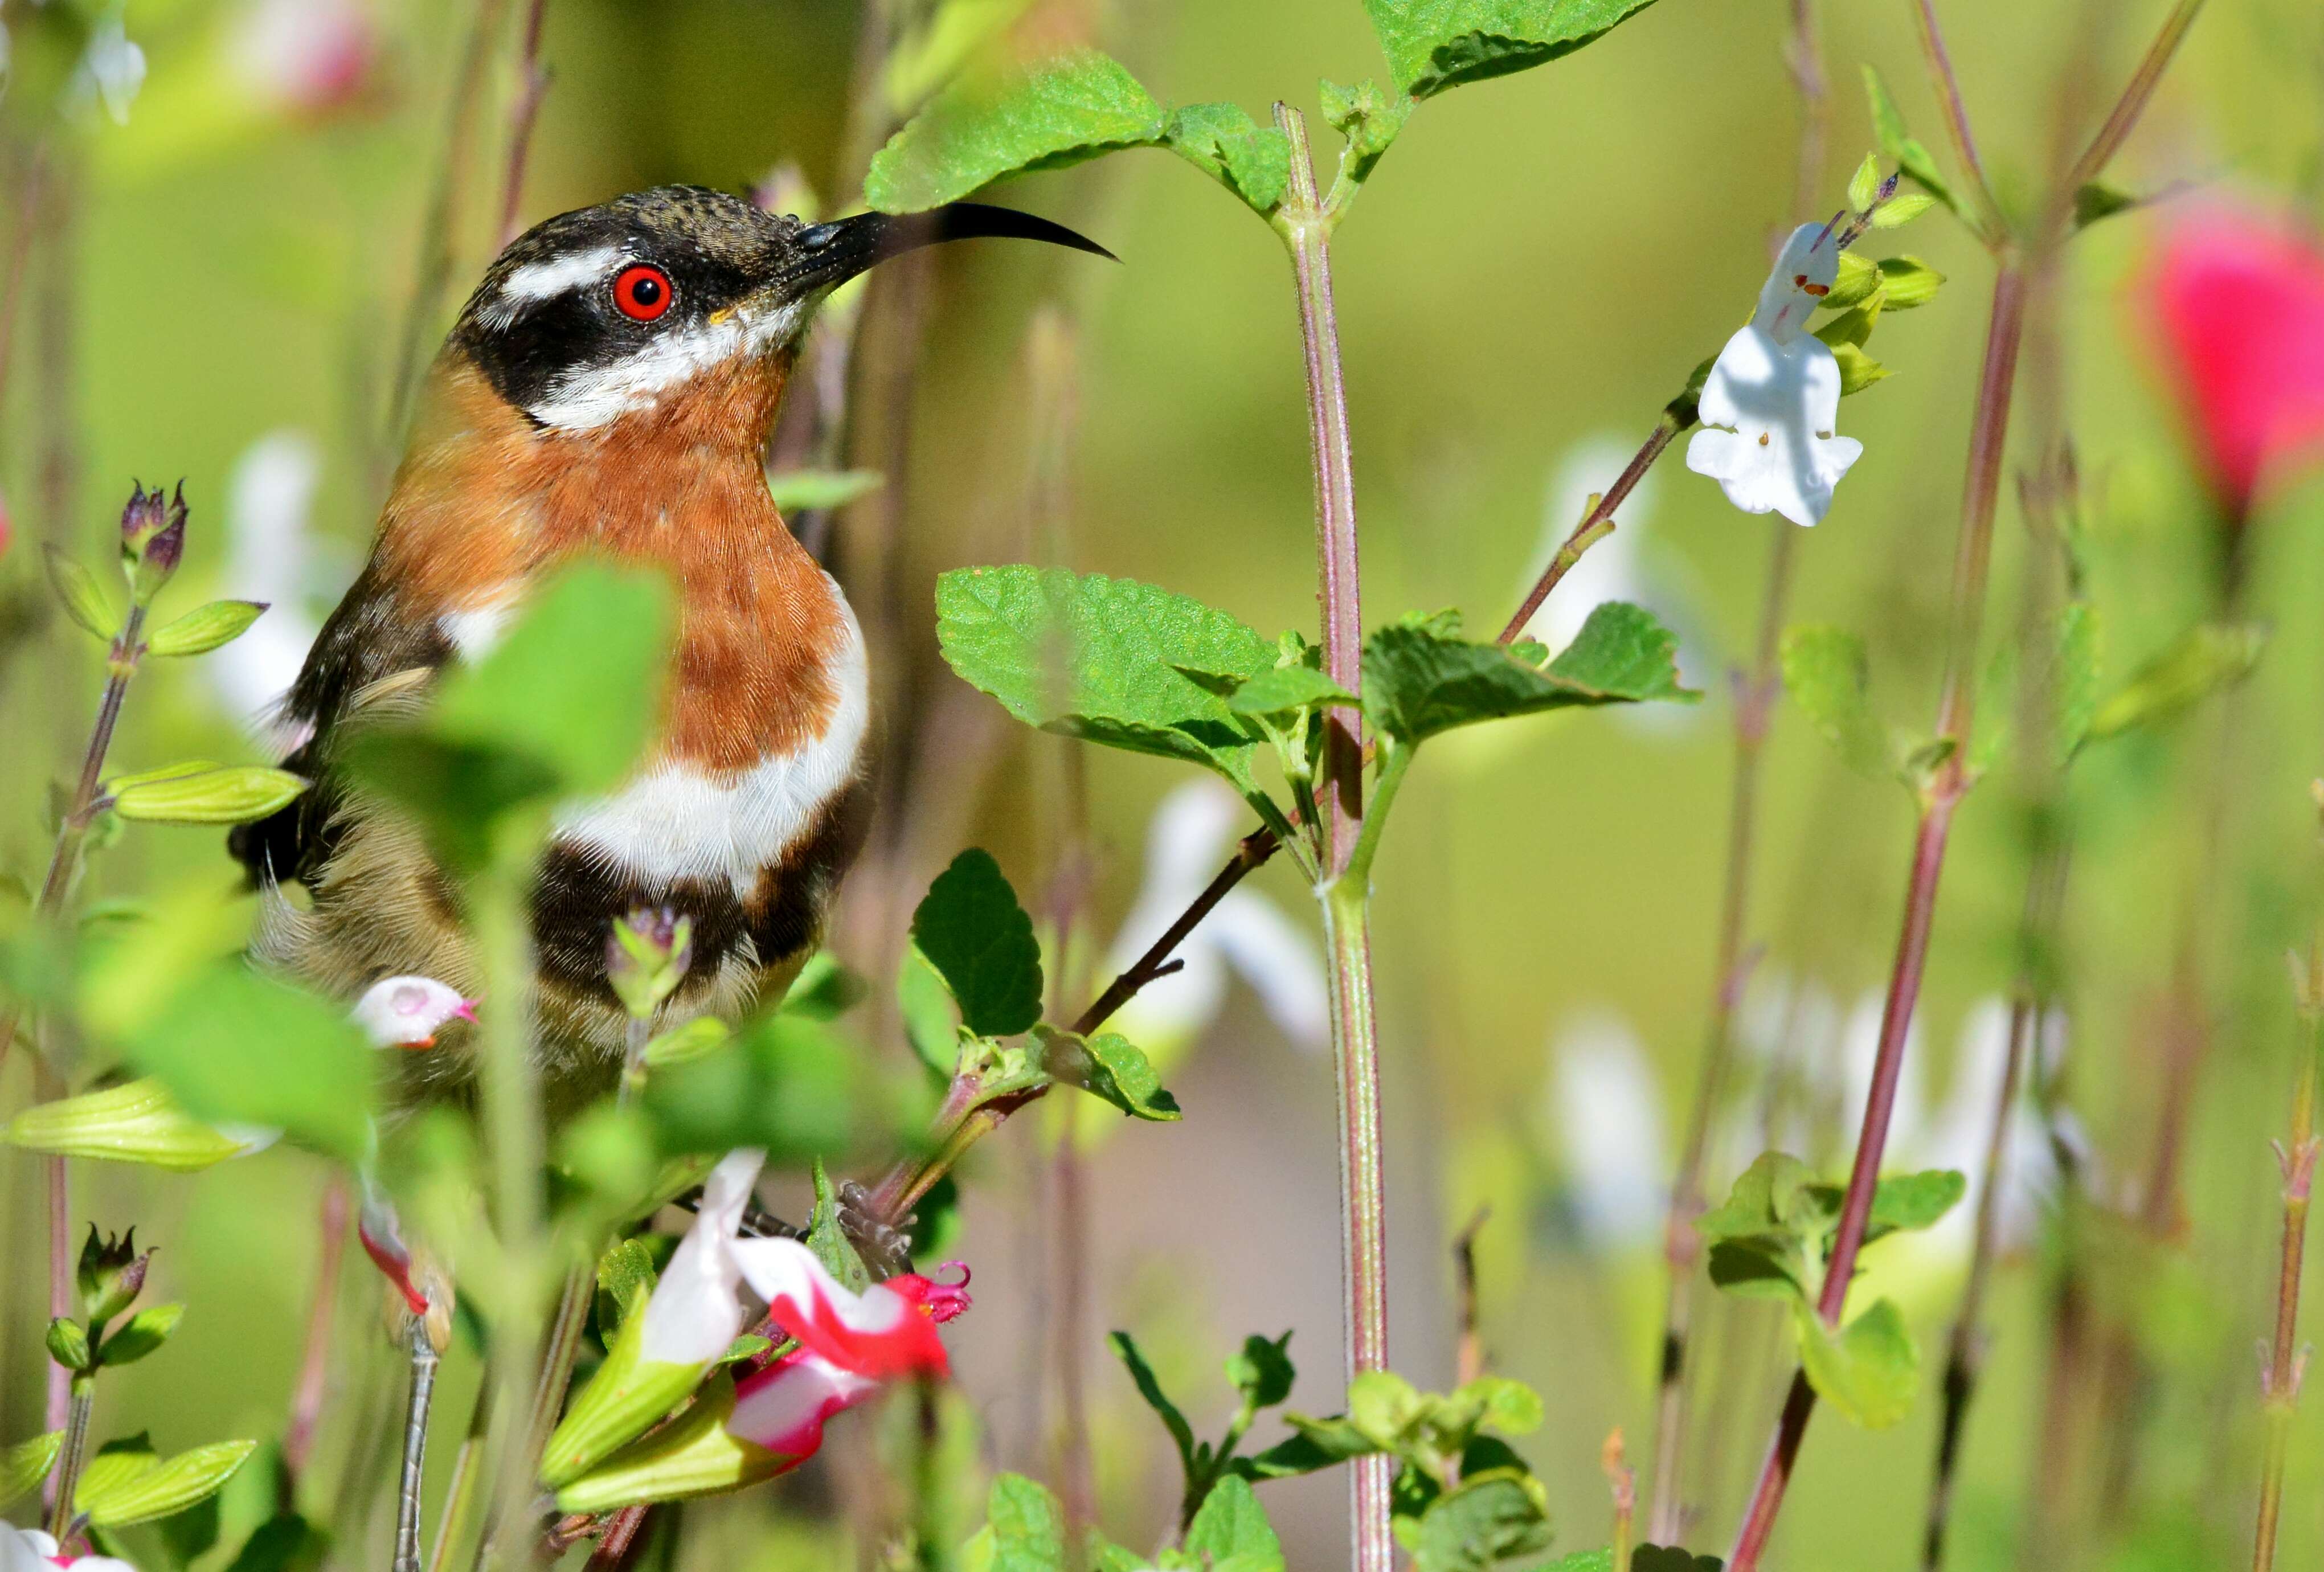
x=373, y=645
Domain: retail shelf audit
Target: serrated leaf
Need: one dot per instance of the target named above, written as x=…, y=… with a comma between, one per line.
x=204, y=628
x=1222, y=140
x=1100, y=658
x=1859, y=276
x=1369, y=116
x=1060, y=112
x=1907, y=282
x=1109, y=1067
x=800, y=490
x=1286, y=688
x=140, y=1334
x=1907, y=154
x=164, y=1487
x=2205, y=660
x=200, y=793
x=1142, y=1373
x=1826, y=673
x=697, y=1039
x=1230, y=1531
x=27, y=1462
x=1420, y=680
x=1435, y=44
x=1485, y=1521
x=972, y=929
x=1263, y=1372
x=2098, y=200
x=85, y=601
x=136, y=1121
x=1868, y=1370
x=1902, y=209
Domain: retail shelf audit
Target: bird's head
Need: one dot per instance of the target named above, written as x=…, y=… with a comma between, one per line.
x=610, y=310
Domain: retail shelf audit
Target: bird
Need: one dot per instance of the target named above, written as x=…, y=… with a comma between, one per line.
x=606, y=392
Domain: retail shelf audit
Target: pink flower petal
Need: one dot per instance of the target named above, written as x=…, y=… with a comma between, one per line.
x=783, y=1407
x=879, y=1333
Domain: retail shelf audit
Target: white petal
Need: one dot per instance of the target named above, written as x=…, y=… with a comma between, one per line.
x=783, y=1408
x=1281, y=963
x=694, y=1314
x=1804, y=273
x=397, y=1012
x=1779, y=402
x=1606, y=1107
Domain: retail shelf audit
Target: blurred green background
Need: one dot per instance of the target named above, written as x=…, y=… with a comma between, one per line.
x=1535, y=268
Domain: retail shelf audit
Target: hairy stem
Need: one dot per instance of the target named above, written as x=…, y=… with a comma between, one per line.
x=1349, y=841
x=72, y=1456
x=2287, y=1363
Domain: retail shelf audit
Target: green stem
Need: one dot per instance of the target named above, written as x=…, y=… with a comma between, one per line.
x=73, y=1456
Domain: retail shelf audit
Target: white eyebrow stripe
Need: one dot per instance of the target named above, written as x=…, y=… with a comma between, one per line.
x=585, y=398
x=539, y=281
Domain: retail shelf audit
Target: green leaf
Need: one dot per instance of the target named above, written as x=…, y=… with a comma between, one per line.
x=1867, y=1370
x=1369, y=116
x=1492, y=1518
x=27, y=1462
x=192, y=1533
x=162, y=1488
x=1859, y=278
x=785, y=1083
x=802, y=490
x=285, y=1542
x=1100, y=658
x=1903, y=150
x=824, y=990
x=140, y=1335
x=199, y=793
x=1762, y=1267
x=697, y=1039
x=1435, y=44
x=1182, y=1434
x=1024, y=1530
x=1109, y=1067
x=1852, y=326
x=1912, y=1201
x=1419, y=680
x=1865, y=184
x=1222, y=140
x=1906, y=282
x=2098, y=200
x=929, y=1019
x=2079, y=640
x=1857, y=370
x=235, y=1048
x=1231, y=1531
x=136, y=1121
x=625, y=1277
x=826, y=1236
x=2209, y=657
x=1902, y=209
x=1285, y=689
x=1263, y=1372
x=574, y=685
x=206, y=628
x=1078, y=106
x=87, y=602
x=972, y=929
x=1826, y=673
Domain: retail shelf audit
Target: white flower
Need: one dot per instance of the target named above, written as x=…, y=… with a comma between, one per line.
x=270, y=557
x=407, y=1012
x=1773, y=398
x=1608, y=1109
x=694, y=1314
x=111, y=70
x=310, y=55
x=32, y=1551
x=1186, y=844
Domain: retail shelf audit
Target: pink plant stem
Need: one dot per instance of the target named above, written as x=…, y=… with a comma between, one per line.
x=2287, y=1362
x=315, y=1365
x=533, y=85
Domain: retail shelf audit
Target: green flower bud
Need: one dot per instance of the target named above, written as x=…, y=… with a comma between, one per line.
x=693, y=1456
x=647, y=957
x=111, y=1276
x=628, y=1395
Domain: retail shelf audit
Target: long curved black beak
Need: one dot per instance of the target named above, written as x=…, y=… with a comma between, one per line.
x=827, y=255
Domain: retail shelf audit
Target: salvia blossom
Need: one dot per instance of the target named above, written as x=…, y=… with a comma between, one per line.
x=1773, y=397
x=111, y=70
x=846, y=1346
x=272, y=555
x=407, y=1012
x=2238, y=301
x=34, y=1550
x=310, y=56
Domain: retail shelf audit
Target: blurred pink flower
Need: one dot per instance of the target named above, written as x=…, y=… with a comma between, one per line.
x=312, y=56
x=2238, y=299
x=32, y=1551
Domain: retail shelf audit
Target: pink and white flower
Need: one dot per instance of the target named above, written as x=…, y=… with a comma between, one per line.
x=407, y=1012
x=310, y=56
x=34, y=1550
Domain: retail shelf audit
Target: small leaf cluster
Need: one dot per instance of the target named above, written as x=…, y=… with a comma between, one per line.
x=1025, y=1532
x=110, y=1276
x=1262, y=1373
x=1770, y=1239
x=973, y=938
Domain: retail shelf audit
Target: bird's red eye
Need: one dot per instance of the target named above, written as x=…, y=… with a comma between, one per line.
x=642, y=293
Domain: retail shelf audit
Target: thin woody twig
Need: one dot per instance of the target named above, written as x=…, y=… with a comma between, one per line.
x=1956, y=114
x=523, y=114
